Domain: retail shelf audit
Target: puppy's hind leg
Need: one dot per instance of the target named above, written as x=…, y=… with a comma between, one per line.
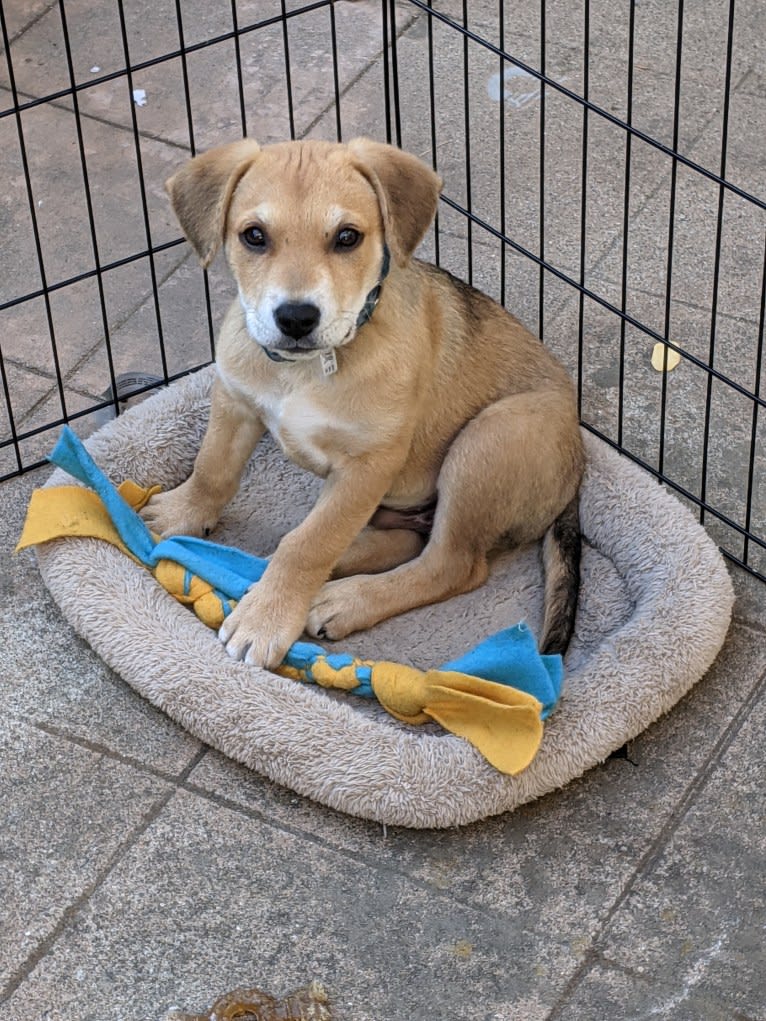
x=507, y=475
x=377, y=549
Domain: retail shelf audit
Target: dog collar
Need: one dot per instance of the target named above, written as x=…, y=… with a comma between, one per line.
x=372, y=299
x=370, y=304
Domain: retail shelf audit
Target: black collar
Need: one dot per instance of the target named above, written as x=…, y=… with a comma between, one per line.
x=370, y=304
x=372, y=299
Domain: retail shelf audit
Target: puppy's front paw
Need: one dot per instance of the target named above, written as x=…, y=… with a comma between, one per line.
x=338, y=609
x=178, y=512
x=260, y=629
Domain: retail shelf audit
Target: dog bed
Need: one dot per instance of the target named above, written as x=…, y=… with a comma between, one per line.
x=655, y=607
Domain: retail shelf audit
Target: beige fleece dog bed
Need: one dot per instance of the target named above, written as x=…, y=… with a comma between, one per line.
x=655, y=607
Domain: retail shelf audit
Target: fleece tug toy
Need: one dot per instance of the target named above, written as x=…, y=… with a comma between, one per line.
x=495, y=696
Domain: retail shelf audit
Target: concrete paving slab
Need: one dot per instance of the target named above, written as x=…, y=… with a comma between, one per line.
x=563, y=143
x=78, y=318
x=638, y=419
x=238, y=880
x=28, y=389
x=51, y=859
x=208, y=899
x=20, y=268
x=60, y=197
x=740, y=265
x=19, y=14
x=183, y=318
x=613, y=815
x=700, y=914
x=608, y=42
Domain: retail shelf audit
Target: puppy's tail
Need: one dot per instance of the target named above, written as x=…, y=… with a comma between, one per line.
x=561, y=560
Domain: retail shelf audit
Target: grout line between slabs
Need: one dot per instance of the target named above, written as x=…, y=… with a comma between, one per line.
x=72, y=910
x=182, y=783
x=657, y=847
x=30, y=24
x=620, y=969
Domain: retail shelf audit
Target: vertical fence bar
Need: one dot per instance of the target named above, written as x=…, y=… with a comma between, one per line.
x=541, y=189
x=717, y=263
x=238, y=59
x=501, y=99
x=671, y=235
x=754, y=422
x=395, y=75
x=386, y=69
x=193, y=149
x=7, y=395
x=185, y=76
x=142, y=187
x=288, y=72
x=89, y=206
x=467, y=130
x=432, y=114
x=335, y=72
x=583, y=201
x=626, y=222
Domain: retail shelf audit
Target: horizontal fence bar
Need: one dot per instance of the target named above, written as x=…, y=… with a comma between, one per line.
x=56, y=423
x=88, y=274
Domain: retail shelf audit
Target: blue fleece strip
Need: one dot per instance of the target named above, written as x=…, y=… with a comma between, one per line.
x=364, y=676
x=511, y=657
x=71, y=455
x=229, y=570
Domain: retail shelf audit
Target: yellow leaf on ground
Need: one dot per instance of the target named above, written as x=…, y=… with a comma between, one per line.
x=664, y=358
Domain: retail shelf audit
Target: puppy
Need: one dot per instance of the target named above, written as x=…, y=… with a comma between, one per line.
x=442, y=428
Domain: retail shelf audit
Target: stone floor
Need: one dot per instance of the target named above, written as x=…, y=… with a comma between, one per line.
x=141, y=870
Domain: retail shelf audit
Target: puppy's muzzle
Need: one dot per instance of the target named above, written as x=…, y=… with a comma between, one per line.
x=296, y=319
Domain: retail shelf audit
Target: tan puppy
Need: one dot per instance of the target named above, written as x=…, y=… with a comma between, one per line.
x=399, y=385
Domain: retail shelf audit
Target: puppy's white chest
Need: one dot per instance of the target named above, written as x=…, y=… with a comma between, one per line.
x=310, y=434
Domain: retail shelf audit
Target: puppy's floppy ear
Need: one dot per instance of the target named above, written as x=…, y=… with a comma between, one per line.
x=201, y=191
x=407, y=190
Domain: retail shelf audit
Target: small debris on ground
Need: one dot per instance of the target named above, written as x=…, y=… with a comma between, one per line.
x=251, y=1004
x=664, y=358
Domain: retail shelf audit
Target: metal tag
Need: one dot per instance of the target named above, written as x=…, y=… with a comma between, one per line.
x=328, y=361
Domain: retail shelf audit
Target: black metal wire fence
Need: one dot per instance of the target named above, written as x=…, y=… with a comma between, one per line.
x=603, y=176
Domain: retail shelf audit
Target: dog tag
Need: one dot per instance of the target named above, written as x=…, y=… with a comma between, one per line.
x=328, y=361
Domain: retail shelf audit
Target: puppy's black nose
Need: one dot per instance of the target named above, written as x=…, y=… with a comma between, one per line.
x=296, y=319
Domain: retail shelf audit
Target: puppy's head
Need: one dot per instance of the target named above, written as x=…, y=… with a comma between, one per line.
x=305, y=226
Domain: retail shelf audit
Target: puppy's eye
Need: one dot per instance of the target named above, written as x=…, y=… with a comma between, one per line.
x=347, y=237
x=253, y=237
